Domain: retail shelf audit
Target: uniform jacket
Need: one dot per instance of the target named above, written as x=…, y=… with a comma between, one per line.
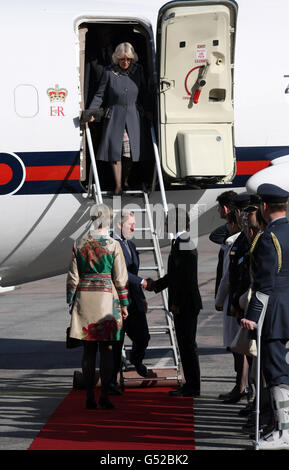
x=135, y=291
x=182, y=276
x=124, y=94
x=270, y=266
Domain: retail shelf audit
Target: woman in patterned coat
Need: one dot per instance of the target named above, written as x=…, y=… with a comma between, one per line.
x=98, y=296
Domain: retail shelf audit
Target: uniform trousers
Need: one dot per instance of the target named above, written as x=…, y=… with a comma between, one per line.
x=186, y=330
x=275, y=362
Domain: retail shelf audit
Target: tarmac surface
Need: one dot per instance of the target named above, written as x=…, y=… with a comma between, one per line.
x=36, y=369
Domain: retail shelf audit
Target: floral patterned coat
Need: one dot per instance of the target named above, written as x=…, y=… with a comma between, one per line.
x=96, y=288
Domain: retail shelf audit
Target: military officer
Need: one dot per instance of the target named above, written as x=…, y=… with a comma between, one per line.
x=270, y=262
x=237, y=255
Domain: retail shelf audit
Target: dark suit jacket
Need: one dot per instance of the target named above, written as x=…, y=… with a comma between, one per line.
x=219, y=236
x=135, y=291
x=270, y=264
x=182, y=276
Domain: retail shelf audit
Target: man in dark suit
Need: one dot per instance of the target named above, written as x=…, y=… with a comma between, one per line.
x=135, y=325
x=184, y=299
x=270, y=265
x=221, y=233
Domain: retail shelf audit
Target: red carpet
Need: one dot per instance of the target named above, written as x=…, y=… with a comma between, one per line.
x=144, y=419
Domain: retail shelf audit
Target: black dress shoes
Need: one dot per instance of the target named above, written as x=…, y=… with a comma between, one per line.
x=184, y=392
x=225, y=396
x=114, y=390
x=236, y=396
x=90, y=400
x=91, y=404
x=105, y=403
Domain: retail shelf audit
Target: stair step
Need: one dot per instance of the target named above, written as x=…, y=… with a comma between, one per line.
x=145, y=248
x=156, y=307
x=137, y=191
x=159, y=332
x=148, y=268
x=142, y=379
x=155, y=327
x=169, y=346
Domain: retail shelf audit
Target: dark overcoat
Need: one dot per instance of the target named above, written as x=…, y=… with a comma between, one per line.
x=270, y=263
x=182, y=276
x=239, y=283
x=182, y=283
x=123, y=94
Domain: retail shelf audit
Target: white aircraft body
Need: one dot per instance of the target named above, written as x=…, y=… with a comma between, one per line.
x=220, y=77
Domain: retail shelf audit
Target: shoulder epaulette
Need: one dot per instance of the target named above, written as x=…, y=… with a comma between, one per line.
x=278, y=249
x=255, y=242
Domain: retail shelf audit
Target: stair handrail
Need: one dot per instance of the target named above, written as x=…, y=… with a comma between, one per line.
x=93, y=164
x=159, y=170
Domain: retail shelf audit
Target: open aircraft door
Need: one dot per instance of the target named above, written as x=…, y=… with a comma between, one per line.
x=196, y=62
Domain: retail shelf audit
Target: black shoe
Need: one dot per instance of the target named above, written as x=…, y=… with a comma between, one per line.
x=105, y=403
x=114, y=390
x=91, y=404
x=225, y=396
x=237, y=396
x=247, y=410
x=183, y=392
x=141, y=369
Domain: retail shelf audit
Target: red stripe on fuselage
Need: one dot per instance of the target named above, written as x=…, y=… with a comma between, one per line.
x=251, y=167
x=66, y=172
x=52, y=173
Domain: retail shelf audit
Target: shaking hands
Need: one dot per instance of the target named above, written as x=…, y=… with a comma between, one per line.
x=148, y=284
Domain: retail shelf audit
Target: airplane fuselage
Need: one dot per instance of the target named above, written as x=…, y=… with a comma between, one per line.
x=44, y=204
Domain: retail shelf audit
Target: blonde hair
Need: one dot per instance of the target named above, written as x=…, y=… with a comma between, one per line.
x=125, y=48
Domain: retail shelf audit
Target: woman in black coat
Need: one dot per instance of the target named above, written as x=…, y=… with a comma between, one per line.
x=124, y=89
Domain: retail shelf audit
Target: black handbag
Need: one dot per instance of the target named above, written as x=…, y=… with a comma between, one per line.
x=98, y=114
x=72, y=342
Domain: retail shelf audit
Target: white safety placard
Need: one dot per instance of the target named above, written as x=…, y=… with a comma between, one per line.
x=201, y=54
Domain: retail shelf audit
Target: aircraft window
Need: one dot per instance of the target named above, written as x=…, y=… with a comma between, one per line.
x=26, y=101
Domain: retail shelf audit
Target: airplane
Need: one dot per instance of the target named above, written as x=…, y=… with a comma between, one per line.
x=220, y=81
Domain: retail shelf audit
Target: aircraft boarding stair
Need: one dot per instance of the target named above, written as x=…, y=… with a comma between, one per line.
x=162, y=357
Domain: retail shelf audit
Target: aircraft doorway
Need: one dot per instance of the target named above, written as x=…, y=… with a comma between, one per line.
x=97, y=41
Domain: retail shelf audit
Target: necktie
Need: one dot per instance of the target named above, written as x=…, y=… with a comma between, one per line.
x=127, y=247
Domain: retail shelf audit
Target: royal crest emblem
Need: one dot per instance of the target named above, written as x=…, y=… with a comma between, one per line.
x=57, y=94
